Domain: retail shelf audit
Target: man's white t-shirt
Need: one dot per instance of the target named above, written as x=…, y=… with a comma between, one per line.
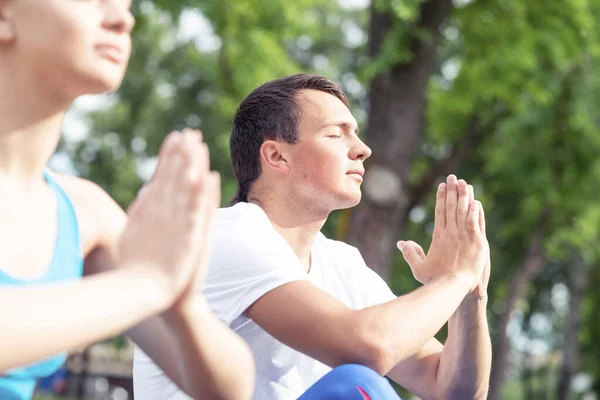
x=249, y=259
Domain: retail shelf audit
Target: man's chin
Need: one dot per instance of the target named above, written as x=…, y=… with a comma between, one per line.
x=349, y=201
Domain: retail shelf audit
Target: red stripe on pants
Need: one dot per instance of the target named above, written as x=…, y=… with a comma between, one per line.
x=365, y=395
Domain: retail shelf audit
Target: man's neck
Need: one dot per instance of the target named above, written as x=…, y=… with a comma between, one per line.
x=298, y=226
x=30, y=120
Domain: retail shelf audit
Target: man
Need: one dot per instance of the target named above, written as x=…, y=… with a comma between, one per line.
x=305, y=303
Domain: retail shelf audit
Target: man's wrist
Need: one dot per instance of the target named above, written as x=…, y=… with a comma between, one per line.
x=472, y=308
x=474, y=301
x=464, y=280
x=477, y=295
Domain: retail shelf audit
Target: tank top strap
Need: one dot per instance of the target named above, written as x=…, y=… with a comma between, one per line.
x=68, y=254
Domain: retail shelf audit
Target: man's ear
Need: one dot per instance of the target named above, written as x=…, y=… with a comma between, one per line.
x=7, y=27
x=271, y=154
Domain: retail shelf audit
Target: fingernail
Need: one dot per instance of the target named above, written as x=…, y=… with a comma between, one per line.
x=400, y=244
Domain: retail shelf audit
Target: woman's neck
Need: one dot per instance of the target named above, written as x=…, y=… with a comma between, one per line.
x=30, y=126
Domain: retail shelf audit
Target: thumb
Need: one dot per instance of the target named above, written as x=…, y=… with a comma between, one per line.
x=412, y=252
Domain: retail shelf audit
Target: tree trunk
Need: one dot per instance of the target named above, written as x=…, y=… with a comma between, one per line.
x=531, y=266
x=527, y=376
x=579, y=273
x=394, y=130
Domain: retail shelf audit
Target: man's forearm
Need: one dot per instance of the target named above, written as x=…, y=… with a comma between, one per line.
x=217, y=363
x=407, y=323
x=465, y=363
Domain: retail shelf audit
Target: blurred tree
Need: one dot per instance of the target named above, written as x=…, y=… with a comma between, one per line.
x=507, y=109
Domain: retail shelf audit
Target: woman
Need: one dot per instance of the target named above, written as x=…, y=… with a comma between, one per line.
x=53, y=227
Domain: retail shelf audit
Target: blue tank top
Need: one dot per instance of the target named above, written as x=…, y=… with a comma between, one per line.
x=67, y=264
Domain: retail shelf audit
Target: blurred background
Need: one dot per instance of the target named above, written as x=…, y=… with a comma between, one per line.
x=503, y=93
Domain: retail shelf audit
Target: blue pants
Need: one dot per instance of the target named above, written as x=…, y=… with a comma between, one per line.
x=351, y=382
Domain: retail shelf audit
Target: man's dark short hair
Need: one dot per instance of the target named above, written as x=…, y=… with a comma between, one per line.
x=270, y=112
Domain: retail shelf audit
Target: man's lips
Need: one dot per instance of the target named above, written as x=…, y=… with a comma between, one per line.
x=357, y=174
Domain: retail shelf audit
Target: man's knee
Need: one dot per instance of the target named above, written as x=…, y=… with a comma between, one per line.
x=351, y=382
x=360, y=382
x=356, y=373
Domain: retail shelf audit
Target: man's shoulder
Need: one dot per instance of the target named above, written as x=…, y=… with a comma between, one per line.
x=244, y=226
x=240, y=212
x=241, y=218
x=246, y=247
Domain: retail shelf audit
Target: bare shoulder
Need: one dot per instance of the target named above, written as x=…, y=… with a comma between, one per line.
x=101, y=218
x=88, y=195
x=77, y=187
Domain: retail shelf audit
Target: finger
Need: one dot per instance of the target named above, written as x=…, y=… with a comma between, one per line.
x=471, y=194
x=210, y=198
x=412, y=253
x=196, y=132
x=440, y=209
x=419, y=250
x=204, y=160
x=194, y=138
x=162, y=188
x=164, y=185
x=216, y=194
x=203, y=215
x=451, y=201
x=462, y=204
x=203, y=187
x=201, y=154
x=176, y=188
x=205, y=156
x=188, y=174
x=167, y=146
x=402, y=245
x=486, y=274
x=482, y=221
x=473, y=219
x=133, y=208
x=212, y=201
x=139, y=198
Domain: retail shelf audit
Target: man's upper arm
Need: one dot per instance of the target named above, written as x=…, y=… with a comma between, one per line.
x=311, y=321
